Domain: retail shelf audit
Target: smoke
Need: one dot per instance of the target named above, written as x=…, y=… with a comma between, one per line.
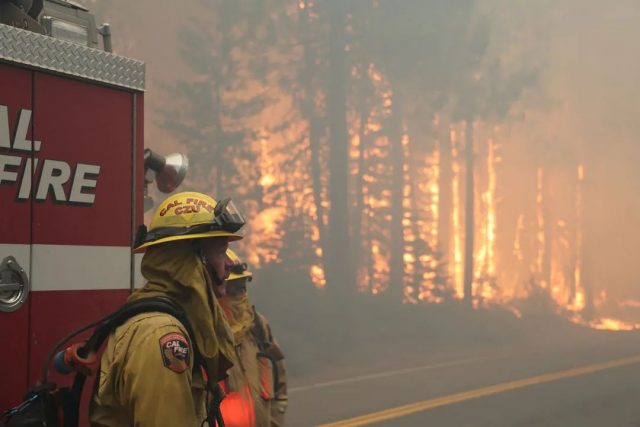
x=591, y=84
x=580, y=115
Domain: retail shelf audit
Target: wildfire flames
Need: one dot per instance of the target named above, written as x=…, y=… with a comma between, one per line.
x=523, y=248
x=544, y=255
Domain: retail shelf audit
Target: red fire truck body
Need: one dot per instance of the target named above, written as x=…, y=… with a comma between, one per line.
x=71, y=194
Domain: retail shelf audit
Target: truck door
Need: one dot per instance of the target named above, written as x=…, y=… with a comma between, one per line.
x=83, y=213
x=16, y=128
x=71, y=188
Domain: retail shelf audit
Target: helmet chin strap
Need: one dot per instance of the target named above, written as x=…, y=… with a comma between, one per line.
x=217, y=281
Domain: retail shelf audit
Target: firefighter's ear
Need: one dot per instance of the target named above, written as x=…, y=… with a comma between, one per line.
x=199, y=250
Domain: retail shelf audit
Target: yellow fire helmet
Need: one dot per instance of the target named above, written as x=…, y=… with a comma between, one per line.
x=190, y=215
x=239, y=269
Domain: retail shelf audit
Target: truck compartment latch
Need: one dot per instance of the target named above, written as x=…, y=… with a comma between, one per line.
x=14, y=285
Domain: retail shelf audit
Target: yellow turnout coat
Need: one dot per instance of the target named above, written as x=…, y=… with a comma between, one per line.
x=146, y=377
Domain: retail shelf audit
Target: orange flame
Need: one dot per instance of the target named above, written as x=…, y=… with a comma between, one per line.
x=456, y=267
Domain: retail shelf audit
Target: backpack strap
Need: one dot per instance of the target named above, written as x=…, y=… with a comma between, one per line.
x=258, y=331
x=264, y=346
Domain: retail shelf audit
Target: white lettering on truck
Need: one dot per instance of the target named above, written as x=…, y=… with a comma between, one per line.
x=51, y=177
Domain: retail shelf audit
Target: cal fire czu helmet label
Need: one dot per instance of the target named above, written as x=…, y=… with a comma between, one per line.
x=191, y=206
x=49, y=175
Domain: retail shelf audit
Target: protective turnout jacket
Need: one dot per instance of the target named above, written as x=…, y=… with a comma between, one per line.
x=256, y=391
x=146, y=375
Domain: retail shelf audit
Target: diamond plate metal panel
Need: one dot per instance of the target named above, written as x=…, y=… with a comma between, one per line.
x=47, y=53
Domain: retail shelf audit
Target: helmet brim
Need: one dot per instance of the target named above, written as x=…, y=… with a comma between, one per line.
x=234, y=276
x=209, y=234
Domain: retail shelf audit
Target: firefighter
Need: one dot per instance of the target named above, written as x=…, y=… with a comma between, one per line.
x=146, y=375
x=256, y=389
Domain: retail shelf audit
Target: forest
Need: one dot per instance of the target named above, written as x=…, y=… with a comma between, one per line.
x=407, y=155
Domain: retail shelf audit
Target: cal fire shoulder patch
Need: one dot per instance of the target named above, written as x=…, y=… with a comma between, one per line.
x=175, y=352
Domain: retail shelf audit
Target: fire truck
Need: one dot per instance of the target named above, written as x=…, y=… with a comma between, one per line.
x=73, y=180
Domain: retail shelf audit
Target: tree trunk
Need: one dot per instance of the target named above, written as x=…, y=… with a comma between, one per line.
x=396, y=274
x=469, y=216
x=220, y=141
x=315, y=127
x=445, y=193
x=415, y=155
x=548, y=232
x=338, y=256
x=356, y=237
x=220, y=78
x=587, y=258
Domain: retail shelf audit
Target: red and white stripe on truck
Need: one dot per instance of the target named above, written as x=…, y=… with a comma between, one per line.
x=71, y=188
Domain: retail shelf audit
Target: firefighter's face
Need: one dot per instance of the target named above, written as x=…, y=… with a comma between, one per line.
x=237, y=287
x=214, y=252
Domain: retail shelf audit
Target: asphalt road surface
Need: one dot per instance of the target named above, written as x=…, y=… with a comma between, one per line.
x=586, y=382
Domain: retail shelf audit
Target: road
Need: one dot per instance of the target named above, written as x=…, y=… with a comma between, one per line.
x=585, y=382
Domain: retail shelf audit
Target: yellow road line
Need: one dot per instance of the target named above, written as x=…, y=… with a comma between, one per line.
x=397, y=372
x=412, y=408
